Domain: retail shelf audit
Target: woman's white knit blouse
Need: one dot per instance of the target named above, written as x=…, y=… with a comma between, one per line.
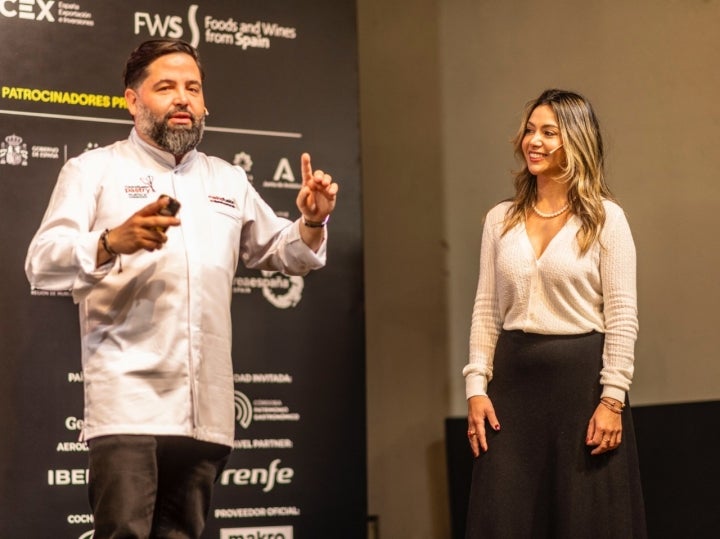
x=560, y=293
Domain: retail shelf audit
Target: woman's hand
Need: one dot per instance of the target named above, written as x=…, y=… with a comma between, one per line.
x=604, y=430
x=480, y=409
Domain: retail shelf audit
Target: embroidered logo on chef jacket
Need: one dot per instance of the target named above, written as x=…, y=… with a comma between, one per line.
x=141, y=189
x=222, y=200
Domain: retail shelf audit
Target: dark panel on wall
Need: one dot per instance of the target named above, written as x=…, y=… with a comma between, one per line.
x=281, y=79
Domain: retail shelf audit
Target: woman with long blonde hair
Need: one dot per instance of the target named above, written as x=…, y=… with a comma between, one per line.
x=552, y=343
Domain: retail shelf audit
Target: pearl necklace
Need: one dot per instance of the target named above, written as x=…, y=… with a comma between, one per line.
x=553, y=214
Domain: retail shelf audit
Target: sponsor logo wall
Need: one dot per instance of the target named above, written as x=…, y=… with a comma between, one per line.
x=281, y=79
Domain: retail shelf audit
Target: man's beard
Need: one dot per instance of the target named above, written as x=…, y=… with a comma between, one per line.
x=176, y=140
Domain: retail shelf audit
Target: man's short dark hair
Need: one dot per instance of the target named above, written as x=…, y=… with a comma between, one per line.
x=149, y=51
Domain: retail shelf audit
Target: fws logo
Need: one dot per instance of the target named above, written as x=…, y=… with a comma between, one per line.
x=218, y=31
x=157, y=25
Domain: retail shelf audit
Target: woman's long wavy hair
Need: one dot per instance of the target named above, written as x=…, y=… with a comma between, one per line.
x=583, y=168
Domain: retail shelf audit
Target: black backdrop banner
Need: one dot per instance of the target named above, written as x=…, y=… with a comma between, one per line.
x=281, y=79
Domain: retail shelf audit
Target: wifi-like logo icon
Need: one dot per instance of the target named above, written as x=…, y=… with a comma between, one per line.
x=243, y=409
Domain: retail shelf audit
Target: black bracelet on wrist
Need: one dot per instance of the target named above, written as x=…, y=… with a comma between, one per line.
x=109, y=250
x=315, y=224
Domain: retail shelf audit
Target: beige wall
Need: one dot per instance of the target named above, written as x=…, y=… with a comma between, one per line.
x=442, y=86
x=651, y=69
x=405, y=267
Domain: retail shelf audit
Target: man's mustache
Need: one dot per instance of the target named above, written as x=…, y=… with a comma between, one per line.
x=180, y=108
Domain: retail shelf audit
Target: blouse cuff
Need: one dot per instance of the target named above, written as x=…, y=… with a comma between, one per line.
x=614, y=393
x=475, y=384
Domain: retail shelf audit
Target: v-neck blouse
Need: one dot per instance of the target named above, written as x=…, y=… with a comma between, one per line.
x=562, y=292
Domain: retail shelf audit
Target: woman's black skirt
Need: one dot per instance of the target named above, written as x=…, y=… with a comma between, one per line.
x=538, y=478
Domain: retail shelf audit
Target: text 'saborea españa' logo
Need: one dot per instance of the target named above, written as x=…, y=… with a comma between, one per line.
x=287, y=294
x=281, y=291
